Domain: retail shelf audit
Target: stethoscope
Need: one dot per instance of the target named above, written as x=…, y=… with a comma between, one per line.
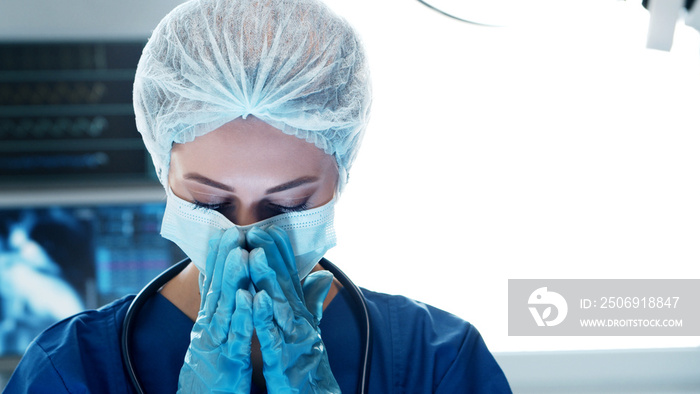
x=154, y=286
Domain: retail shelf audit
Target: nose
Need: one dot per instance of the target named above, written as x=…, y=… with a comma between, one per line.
x=245, y=215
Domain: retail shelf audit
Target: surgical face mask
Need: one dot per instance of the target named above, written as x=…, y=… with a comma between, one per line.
x=310, y=232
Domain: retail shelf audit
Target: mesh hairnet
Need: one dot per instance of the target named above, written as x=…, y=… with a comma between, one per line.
x=292, y=63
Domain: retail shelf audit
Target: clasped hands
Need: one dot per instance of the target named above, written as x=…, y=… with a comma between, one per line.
x=283, y=313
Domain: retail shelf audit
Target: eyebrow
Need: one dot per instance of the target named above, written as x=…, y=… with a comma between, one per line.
x=291, y=184
x=279, y=188
x=206, y=181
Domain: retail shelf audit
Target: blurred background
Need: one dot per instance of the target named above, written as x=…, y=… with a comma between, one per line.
x=508, y=140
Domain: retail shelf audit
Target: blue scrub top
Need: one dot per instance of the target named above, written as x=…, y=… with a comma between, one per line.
x=416, y=348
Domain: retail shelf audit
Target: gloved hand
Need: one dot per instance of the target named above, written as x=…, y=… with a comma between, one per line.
x=286, y=316
x=218, y=358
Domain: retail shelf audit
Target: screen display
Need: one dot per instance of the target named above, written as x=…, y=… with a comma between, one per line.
x=66, y=113
x=56, y=261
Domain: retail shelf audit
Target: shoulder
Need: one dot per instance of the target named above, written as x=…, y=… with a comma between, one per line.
x=89, y=325
x=425, y=338
x=78, y=353
x=415, y=315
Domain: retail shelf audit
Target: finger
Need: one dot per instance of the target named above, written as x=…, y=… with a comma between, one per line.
x=264, y=277
x=271, y=341
x=217, y=255
x=236, y=367
x=258, y=238
x=235, y=266
x=284, y=246
x=209, y=299
x=316, y=287
x=241, y=331
x=236, y=271
x=231, y=238
x=282, y=351
x=268, y=333
x=205, y=277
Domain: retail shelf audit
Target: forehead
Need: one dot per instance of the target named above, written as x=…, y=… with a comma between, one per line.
x=245, y=145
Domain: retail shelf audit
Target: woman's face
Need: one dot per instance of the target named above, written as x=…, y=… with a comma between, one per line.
x=250, y=171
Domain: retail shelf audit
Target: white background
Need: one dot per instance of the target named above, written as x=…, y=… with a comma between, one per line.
x=560, y=148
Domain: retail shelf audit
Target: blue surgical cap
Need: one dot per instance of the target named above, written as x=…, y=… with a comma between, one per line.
x=293, y=64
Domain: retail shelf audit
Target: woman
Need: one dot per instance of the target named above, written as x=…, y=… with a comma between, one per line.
x=253, y=112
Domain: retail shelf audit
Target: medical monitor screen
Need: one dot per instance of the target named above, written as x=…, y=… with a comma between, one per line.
x=56, y=261
x=66, y=113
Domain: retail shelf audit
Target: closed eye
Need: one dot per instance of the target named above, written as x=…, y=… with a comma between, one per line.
x=285, y=209
x=204, y=205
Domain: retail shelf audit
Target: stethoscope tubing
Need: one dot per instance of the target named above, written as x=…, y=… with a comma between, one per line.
x=152, y=288
x=366, y=332
x=130, y=318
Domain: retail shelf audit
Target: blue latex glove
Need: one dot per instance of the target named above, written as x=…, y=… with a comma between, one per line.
x=286, y=316
x=218, y=358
